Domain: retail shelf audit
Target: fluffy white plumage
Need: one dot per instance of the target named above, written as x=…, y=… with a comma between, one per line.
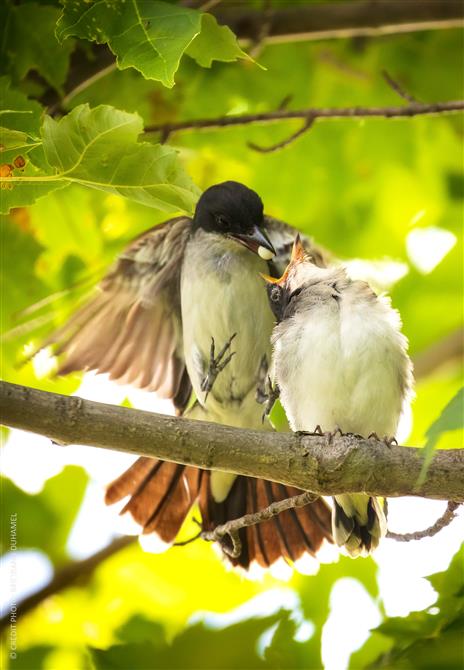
x=340, y=361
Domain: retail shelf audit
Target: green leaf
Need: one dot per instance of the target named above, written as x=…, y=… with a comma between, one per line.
x=315, y=592
x=148, y=35
x=428, y=639
x=43, y=521
x=14, y=145
x=451, y=418
x=98, y=148
x=197, y=647
x=214, y=42
x=449, y=585
x=18, y=113
x=28, y=42
x=33, y=657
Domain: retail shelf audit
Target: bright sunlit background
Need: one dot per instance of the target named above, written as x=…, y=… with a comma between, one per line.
x=384, y=195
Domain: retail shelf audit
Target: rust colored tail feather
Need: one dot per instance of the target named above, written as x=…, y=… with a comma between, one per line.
x=289, y=535
x=162, y=494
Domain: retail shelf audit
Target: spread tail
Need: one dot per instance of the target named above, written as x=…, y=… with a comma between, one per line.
x=162, y=495
x=289, y=535
x=358, y=523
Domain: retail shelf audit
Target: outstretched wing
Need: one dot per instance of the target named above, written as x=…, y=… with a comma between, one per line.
x=282, y=237
x=131, y=328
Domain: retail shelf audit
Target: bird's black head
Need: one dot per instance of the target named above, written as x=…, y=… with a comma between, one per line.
x=235, y=211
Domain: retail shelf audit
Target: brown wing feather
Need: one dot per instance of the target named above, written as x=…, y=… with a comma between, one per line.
x=282, y=237
x=132, y=328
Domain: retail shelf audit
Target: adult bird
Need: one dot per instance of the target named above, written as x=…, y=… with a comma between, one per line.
x=340, y=363
x=184, y=307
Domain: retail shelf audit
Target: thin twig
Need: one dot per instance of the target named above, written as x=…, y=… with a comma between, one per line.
x=445, y=519
x=399, y=89
x=264, y=29
x=232, y=528
x=408, y=111
x=284, y=143
x=209, y=4
x=183, y=543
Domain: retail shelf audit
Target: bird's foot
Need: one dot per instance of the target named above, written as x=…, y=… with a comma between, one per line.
x=217, y=363
x=333, y=433
x=267, y=397
x=262, y=385
x=316, y=431
x=388, y=441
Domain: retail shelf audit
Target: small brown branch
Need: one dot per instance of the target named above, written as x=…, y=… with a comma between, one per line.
x=184, y=543
x=66, y=576
x=346, y=464
x=408, y=111
x=284, y=143
x=233, y=527
x=445, y=519
x=263, y=30
x=397, y=88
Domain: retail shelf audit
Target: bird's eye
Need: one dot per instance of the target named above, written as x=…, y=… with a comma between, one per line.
x=295, y=293
x=276, y=293
x=221, y=221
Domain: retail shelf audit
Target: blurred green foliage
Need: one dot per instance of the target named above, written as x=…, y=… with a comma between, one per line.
x=360, y=187
x=428, y=639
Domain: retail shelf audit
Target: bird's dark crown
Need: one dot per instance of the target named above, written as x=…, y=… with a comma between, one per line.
x=228, y=208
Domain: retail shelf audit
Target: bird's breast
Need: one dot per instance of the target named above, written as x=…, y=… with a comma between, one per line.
x=222, y=294
x=340, y=366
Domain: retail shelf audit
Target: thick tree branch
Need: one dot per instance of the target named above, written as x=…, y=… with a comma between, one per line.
x=311, y=463
x=293, y=21
x=289, y=22
x=405, y=111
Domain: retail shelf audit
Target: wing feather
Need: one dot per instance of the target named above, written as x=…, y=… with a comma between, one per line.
x=131, y=329
x=282, y=237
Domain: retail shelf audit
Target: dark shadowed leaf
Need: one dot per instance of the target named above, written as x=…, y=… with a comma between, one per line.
x=196, y=647
x=28, y=42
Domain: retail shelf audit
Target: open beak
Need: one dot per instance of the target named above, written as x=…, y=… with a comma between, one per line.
x=258, y=242
x=298, y=251
x=298, y=256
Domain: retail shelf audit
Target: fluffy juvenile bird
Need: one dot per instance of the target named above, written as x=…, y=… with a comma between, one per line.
x=340, y=362
x=184, y=306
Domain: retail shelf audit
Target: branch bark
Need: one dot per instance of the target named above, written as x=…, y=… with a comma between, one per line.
x=312, y=21
x=405, y=111
x=309, y=462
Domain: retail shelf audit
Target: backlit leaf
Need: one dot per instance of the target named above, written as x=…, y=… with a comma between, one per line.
x=148, y=35
x=98, y=148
